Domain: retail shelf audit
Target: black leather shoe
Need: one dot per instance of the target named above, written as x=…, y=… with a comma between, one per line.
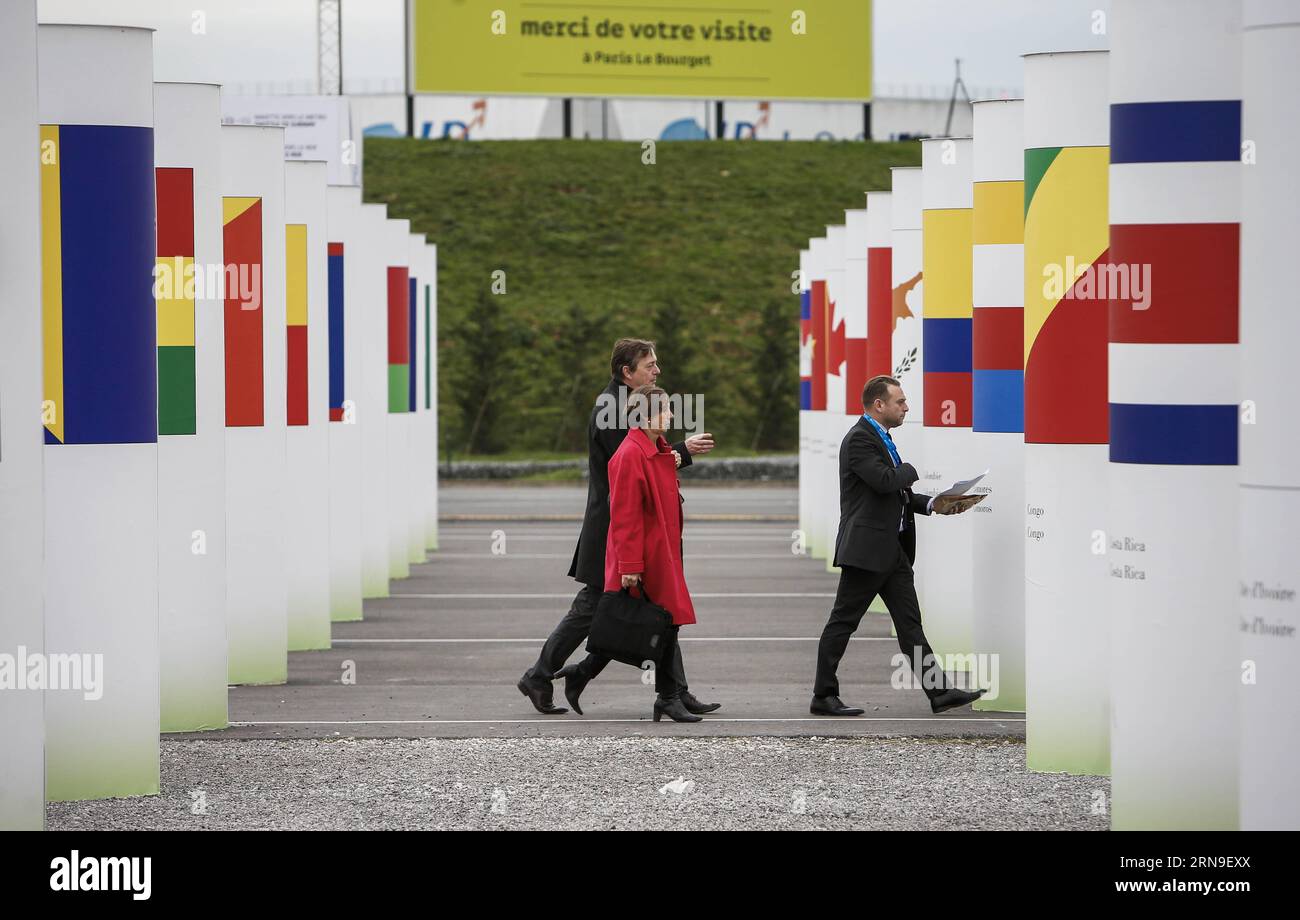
x=574, y=683
x=832, y=706
x=675, y=710
x=540, y=697
x=693, y=705
x=951, y=699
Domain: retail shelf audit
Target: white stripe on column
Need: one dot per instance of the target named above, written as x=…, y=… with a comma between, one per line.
x=1175, y=193
x=1174, y=375
x=998, y=274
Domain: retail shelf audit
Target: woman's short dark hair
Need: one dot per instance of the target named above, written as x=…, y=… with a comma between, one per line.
x=645, y=403
x=628, y=353
x=877, y=388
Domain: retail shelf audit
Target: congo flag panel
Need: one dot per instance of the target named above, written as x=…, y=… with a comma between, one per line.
x=1066, y=247
x=295, y=289
x=174, y=291
x=336, y=330
x=99, y=320
x=242, y=239
x=399, y=349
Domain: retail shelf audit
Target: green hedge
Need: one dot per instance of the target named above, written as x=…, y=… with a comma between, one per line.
x=695, y=251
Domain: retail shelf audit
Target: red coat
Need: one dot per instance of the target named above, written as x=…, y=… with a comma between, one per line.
x=645, y=524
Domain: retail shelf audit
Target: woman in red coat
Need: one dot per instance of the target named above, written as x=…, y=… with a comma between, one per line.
x=644, y=545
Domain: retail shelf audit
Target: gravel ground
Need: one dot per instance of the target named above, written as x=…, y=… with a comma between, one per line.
x=600, y=783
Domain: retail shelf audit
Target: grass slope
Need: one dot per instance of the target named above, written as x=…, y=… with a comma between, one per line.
x=695, y=251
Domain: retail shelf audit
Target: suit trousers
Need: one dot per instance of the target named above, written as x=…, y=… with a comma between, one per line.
x=857, y=589
x=572, y=630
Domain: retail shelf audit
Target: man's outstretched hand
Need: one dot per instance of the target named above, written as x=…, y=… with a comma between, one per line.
x=700, y=443
x=955, y=504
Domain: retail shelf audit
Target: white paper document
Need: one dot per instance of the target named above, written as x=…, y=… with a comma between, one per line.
x=961, y=487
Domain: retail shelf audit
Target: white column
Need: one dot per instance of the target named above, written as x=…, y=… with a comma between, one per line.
x=420, y=463
x=399, y=419
x=817, y=493
x=805, y=397
x=877, y=355
x=946, y=251
x=431, y=348
x=307, y=547
x=880, y=285
x=1066, y=136
x=100, y=410
x=372, y=407
x=1175, y=200
x=908, y=290
x=1270, y=435
x=855, y=313
x=252, y=187
x=998, y=400
x=345, y=301
x=191, y=409
x=833, y=422
x=22, y=620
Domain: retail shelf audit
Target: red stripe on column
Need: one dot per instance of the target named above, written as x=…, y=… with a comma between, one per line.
x=880, y=311
x=175, y=186
x=944, y=387
x=398, y=344
x=242, y=241
x=297, y=387
x=819, y=345
x=998, y=338
x=835, y=339
x=1192, y=273
x=1066, y=390
x=855, y=374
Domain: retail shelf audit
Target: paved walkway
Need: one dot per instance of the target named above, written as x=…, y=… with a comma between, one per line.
x=441, y=656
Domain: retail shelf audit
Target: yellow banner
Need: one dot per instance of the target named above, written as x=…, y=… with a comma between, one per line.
x=719, y=49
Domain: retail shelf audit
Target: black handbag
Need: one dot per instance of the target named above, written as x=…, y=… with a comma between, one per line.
x=629, y=629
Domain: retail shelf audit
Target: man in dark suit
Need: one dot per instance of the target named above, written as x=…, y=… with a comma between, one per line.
x=875, y=549
x=632, y=364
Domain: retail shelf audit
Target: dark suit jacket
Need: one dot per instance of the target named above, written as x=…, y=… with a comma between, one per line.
x=589, y=557
x=874, y=496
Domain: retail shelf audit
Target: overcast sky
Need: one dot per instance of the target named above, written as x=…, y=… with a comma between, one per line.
x=274, y=41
